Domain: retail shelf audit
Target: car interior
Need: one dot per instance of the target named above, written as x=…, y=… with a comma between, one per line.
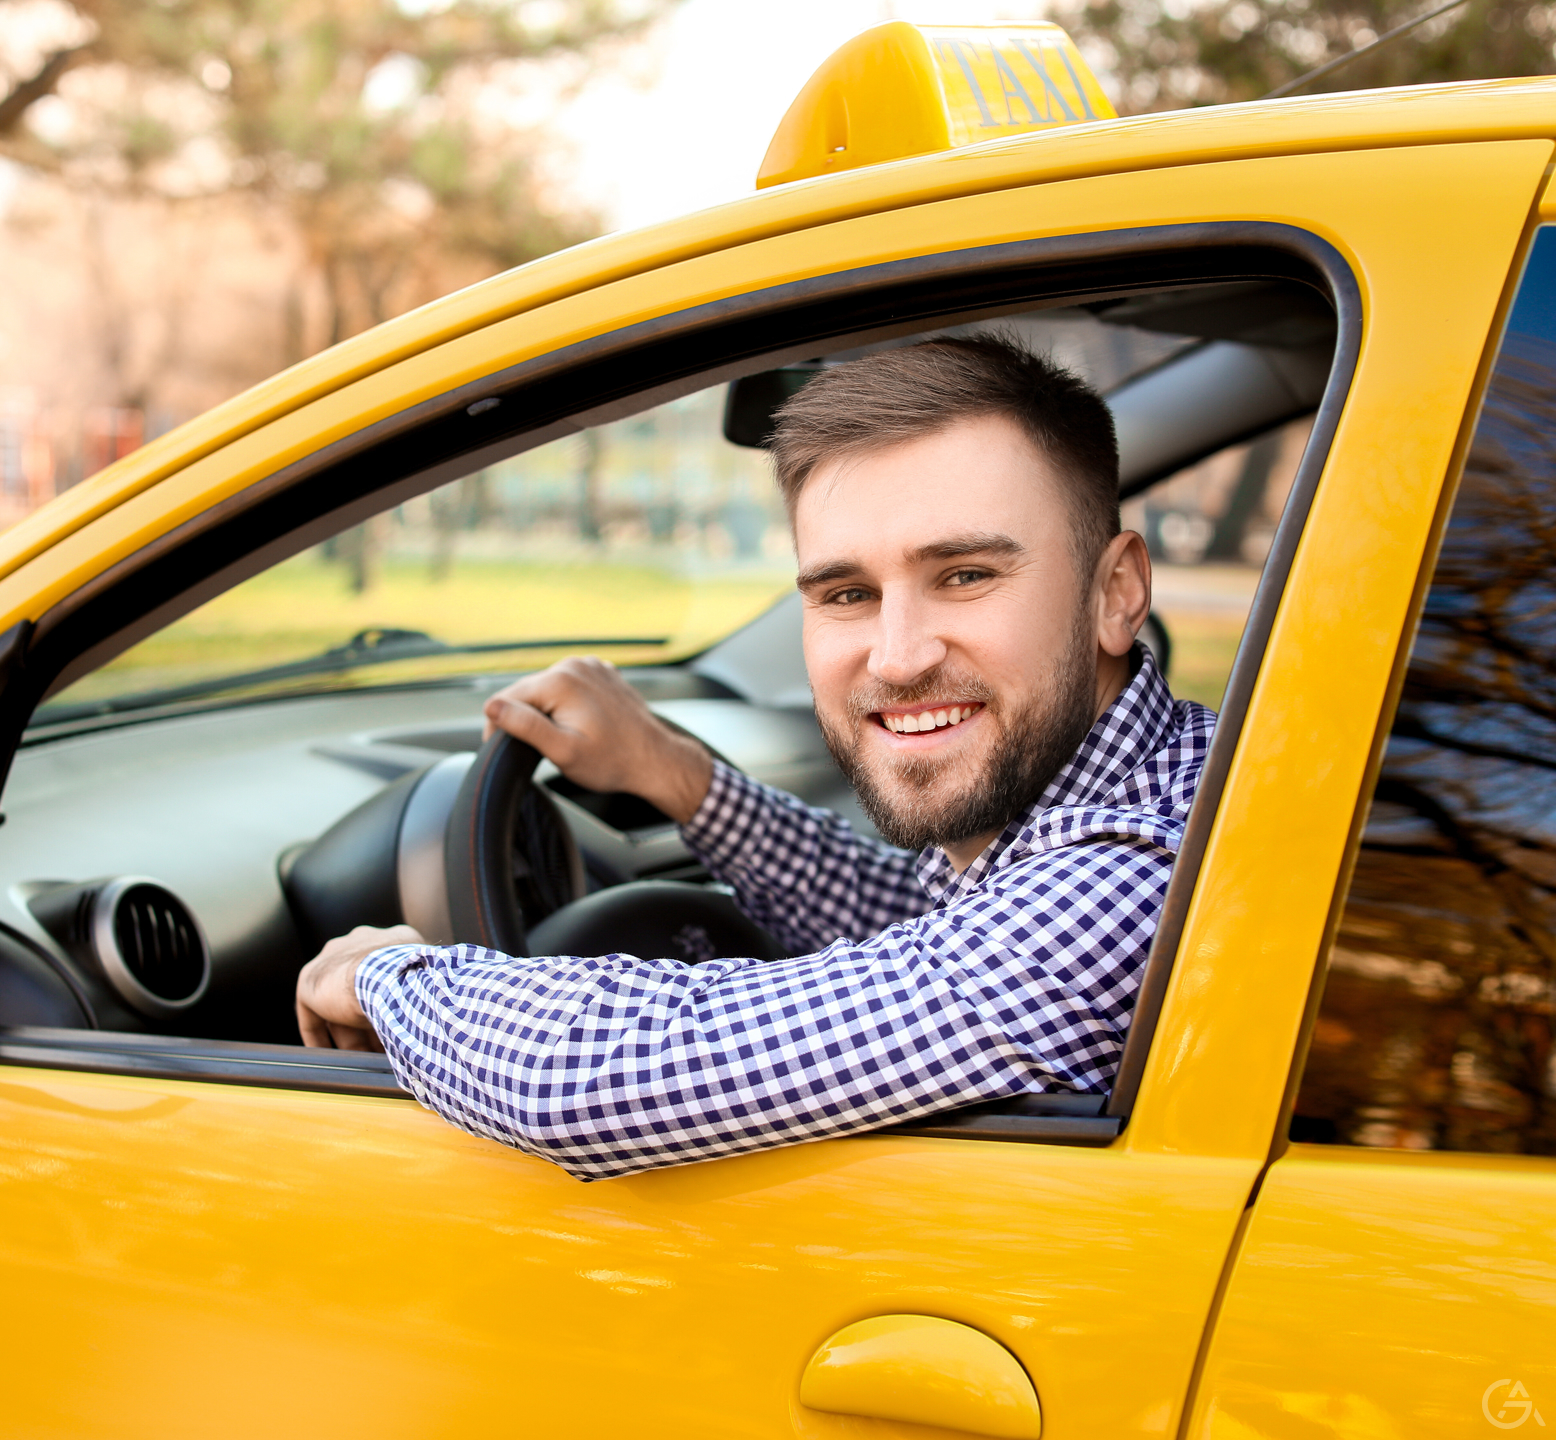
x=271, y=730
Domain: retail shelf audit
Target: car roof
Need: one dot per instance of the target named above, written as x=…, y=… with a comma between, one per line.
x=1417, y=115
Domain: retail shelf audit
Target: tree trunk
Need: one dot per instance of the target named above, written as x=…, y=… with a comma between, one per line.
x=1247, y=498
x=358, y=549
x=590, y=522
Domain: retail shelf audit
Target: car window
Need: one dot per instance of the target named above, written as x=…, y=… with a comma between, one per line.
x=645, y=540
x=1434, y=1030
x=648, y=540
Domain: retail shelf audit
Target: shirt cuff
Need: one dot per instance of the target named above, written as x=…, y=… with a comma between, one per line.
x=380, y=970
x=729, y=812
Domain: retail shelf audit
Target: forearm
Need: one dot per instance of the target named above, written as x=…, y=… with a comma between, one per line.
x=672, y=1065
x=798, y=870
x=613, y=1065
x=675, y=776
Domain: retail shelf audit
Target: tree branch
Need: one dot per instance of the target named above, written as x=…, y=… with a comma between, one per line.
x=22, y=97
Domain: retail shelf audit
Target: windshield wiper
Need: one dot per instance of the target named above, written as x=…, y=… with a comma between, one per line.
x=367, y=647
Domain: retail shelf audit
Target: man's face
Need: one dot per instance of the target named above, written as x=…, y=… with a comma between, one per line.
x=951, y=644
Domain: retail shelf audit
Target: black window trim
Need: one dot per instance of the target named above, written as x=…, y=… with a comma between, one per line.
x=598, y=380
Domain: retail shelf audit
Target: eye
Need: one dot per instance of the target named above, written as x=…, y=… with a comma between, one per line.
x=967, y=577
x=854, y=595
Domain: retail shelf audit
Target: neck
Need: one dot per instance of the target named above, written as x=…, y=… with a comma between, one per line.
x=1112, y=678
x=964, y=852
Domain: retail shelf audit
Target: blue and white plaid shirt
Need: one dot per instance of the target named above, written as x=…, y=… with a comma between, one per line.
x=924, y=989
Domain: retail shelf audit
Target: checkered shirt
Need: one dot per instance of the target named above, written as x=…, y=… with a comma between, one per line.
x=919, y=989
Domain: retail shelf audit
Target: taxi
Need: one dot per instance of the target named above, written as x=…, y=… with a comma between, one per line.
x=1320, y=1199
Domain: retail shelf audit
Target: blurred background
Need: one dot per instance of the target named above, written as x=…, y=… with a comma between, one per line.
x=195, y=194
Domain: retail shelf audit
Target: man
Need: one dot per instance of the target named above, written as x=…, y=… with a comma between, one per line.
x=970, y=620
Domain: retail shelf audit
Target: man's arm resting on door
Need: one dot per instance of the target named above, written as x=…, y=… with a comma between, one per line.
x=612, y=1065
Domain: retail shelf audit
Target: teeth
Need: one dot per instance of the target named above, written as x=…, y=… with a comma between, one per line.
x=928, y=720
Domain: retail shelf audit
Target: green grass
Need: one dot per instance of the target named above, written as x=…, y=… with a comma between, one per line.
x=1203, y=647
x=304, y=606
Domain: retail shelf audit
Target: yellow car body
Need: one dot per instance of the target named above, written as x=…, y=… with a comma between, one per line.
x=196, y=1258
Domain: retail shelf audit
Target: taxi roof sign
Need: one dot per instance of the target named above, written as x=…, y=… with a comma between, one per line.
x=901, y=89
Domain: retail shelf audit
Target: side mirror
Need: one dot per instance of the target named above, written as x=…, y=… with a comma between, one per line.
x=753, y=400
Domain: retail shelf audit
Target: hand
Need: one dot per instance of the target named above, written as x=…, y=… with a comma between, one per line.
x=596, y=729
x=327, y=1011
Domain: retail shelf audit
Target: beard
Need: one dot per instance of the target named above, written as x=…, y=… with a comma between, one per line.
x=921, y=800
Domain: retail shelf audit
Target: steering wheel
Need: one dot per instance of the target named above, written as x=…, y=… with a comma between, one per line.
x=493, y=863
x=516, y=882
x=509, y=858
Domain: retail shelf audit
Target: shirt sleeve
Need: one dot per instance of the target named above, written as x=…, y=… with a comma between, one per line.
x=800, y=871
x=613, y=1065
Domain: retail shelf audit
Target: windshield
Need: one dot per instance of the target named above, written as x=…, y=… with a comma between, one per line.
x=644, y=541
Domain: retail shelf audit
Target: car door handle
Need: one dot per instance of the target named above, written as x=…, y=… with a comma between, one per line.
x=925, y=1371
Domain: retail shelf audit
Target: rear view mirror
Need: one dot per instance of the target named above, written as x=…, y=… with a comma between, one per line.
x=753, y=400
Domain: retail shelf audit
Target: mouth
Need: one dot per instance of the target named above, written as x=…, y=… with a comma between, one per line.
x=922, y=719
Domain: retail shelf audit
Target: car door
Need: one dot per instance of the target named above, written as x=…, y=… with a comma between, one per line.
x=253, y=1250
x=1398, y=1274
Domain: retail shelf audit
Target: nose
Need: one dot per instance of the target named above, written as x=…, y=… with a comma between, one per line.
x=907, y=642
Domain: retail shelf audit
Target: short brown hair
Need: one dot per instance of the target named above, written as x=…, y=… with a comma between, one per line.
x=894, y=396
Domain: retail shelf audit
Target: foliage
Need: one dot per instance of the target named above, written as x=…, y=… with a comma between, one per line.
x=376, y=126
x=1166, y=54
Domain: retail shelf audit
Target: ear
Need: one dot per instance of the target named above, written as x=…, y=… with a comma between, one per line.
x=1122, y=592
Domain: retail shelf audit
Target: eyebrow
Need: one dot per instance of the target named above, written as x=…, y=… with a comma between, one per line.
x=957, y=547
x=953, y=547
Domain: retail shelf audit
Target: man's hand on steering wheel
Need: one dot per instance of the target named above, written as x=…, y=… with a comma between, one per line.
x=598, y=731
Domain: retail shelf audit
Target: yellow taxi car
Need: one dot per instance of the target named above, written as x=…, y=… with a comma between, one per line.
x=1321, y=1197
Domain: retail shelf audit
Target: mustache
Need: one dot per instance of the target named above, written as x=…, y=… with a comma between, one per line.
x=937, y=684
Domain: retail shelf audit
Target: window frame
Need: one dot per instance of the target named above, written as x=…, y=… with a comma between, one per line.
x=596, y=381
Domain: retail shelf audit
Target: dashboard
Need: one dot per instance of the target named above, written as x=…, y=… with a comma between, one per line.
x=213, y=805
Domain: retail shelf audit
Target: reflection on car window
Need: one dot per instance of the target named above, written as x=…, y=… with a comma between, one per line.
x=1435, y=1025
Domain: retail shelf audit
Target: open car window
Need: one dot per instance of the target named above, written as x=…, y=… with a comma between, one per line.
x=297, y=691
x=646, y=540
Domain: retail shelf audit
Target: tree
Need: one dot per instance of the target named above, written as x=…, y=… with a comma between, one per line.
x=1166, y=54
x=368, y=124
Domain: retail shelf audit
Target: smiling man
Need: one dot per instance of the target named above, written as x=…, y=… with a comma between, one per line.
x=970, y=618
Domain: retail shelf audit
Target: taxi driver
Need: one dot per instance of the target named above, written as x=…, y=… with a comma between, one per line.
x=970, y=612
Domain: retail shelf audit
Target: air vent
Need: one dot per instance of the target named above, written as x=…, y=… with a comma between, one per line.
x=149, y=946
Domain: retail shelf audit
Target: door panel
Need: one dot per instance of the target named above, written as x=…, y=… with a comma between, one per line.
x=1384, y=1294
x=203, y=1259
x=1387, y=1284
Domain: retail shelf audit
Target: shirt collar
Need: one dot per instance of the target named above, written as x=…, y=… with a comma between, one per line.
x=1130, y=730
